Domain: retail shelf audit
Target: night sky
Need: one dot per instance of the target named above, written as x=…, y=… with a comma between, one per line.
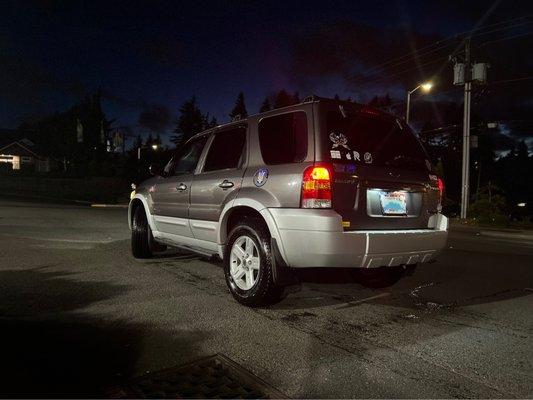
x=154, y=55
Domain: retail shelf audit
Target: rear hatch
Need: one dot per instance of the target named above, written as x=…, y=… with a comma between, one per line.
x=382, y=178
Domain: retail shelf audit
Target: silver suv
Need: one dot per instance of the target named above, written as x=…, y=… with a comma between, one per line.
x=323, y=183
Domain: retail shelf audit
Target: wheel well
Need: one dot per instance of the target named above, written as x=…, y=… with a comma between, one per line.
x=239, y=214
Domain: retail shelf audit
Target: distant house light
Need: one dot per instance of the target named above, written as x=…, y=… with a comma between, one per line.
x=521, y=204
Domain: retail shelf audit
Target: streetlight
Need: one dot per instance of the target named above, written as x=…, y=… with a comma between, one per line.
x=154, y=147
x=426, y=87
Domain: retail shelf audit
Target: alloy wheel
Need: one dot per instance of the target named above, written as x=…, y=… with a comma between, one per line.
x=244, y=263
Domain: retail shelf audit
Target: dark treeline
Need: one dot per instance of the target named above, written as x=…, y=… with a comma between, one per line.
x=84, y=142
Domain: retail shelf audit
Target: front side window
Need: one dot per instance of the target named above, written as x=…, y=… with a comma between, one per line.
x=226, y=150
x=283, y=138
x=187, y=157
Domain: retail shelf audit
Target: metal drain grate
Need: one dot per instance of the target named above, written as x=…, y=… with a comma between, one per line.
x=212, y=377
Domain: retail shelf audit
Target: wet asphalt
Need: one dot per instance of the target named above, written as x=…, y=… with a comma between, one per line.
x=78, y=315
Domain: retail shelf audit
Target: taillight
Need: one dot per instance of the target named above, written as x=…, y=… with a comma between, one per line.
x=440, y=184
x=316, y=187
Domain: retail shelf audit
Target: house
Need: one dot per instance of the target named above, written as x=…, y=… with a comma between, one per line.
x=22, y=154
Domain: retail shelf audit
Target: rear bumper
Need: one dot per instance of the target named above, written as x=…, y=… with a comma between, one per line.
x=314, y=238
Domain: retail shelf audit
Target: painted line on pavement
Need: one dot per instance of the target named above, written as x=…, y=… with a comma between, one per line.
x=356, y=302
x=98, y=205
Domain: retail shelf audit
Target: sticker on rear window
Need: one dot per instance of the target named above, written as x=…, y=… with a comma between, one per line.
x=356, y=156
x=368, y=158
x=335, y=153
x=339, y=140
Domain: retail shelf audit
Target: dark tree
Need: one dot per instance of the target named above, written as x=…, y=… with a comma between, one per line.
x=283, y=99
x=138, y=142
x=381, y=102
x=239, y=108
x=296, y=98
x=209, y=123
x=190, y=122
x=374, y=102
x=265, y=106
x=212, y=123
x=149, y=140
x=336, y=97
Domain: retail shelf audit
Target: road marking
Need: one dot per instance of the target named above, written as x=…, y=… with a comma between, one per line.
x=61, y=239
x=97, y=205
x=356, y=302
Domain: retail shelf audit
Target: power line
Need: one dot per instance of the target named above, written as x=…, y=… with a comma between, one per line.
x=378, y=79
x=416, y=52
x=506, y=38
x=526, y=78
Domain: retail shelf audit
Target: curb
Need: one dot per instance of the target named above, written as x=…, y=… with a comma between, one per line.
x=99, y=205
x=507, y=235
x=46, y=198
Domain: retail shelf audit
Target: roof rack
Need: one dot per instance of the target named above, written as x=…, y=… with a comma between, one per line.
x=310, y=99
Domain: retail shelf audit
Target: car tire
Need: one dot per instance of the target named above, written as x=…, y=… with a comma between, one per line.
x=263, y=291
x=377, y=278
x=142, y=240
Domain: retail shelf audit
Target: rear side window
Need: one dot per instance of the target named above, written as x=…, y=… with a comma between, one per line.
x=283, y=138
x=226, y=150
x=371, y=139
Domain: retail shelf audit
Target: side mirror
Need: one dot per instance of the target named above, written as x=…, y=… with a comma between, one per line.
x=155, y=170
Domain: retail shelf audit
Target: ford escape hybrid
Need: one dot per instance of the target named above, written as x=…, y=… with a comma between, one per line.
x=323, y=183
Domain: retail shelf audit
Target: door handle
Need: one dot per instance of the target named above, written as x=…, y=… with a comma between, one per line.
x=181, y=187
x=226, y=184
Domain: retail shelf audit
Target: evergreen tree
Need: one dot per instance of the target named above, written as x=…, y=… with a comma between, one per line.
x=374, y=102
x=265, y=106
x=212, y=123
x=149, y=140
x=239, y=108
x=336, y=97
x=190, y=122
x=283, y=99
x=296, y=98
x=209, y=123
x=138, y=142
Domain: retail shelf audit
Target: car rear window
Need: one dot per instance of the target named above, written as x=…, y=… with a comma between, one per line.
x=373, y=139
x=283, y=138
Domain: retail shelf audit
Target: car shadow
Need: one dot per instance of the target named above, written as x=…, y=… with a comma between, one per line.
x=54, y=346
x=458, y=278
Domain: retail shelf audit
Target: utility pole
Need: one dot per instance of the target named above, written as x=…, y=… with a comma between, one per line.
x=465, y=73
x=466, y=133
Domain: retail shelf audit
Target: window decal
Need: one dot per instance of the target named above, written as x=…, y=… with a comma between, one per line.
x=335, y=153
x=339, y=140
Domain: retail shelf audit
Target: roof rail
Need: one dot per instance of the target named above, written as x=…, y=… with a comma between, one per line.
x=310, y=98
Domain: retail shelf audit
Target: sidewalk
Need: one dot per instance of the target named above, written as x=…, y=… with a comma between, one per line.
x=506, y=233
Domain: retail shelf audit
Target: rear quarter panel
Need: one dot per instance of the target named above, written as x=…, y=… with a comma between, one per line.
x=283, y=186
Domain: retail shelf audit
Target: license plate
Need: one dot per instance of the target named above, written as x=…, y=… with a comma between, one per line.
x=393, y=203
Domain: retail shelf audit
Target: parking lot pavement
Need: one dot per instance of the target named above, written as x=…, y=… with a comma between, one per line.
x=79, y=314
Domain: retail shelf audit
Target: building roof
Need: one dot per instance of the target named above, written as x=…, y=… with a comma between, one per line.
x=16, y=143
